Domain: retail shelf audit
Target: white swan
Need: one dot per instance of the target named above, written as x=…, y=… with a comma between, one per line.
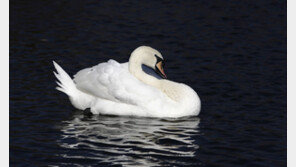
x=125, y=89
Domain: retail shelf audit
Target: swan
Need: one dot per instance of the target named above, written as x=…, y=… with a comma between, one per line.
x=112, y=88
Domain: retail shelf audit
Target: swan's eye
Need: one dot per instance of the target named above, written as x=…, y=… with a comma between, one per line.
x=158, y=59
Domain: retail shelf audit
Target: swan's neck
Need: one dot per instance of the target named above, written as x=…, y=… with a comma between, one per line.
x=172, y=89
x=135, y=68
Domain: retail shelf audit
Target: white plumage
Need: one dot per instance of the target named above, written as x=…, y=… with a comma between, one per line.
x=124, y=89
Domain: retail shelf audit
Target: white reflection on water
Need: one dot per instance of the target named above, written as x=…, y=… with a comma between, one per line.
x=129, y=141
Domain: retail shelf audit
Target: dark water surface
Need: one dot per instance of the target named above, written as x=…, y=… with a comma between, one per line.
x=233, y=53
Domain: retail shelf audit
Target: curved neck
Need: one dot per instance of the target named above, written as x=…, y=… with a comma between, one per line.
x=135, y=68
x=171, y=89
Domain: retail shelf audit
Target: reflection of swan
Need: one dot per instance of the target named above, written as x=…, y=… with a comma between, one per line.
x=125, y=89
x=129, y=141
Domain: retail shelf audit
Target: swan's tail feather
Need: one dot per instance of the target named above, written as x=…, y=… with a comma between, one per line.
x=65, y=83
x=79, y=99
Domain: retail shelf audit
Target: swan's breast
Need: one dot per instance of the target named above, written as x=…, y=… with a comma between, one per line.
x=184, y=95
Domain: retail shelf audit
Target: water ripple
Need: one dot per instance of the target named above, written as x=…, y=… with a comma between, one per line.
x=129, y=141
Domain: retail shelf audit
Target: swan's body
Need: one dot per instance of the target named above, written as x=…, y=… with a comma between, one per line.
x=125, y=89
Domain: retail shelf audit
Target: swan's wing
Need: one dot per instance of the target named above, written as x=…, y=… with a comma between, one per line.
x=113, y=81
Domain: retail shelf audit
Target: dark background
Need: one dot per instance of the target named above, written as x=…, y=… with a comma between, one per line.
x=233, y=53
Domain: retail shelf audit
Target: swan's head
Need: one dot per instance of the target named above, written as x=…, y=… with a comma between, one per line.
x=149, y=57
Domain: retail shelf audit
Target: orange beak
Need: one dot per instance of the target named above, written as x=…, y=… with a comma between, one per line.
x=159, y=69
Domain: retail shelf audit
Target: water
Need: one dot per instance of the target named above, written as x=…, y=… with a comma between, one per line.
x=130, y=141
x=233, y=53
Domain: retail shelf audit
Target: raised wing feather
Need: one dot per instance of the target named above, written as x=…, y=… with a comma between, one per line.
x=113, y=81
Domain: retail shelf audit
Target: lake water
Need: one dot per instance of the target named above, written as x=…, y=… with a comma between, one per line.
x=233, y=53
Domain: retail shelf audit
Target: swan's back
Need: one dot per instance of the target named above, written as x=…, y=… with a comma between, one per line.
x=112, y=81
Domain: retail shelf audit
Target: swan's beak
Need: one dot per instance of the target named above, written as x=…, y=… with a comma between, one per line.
x=159, y=69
